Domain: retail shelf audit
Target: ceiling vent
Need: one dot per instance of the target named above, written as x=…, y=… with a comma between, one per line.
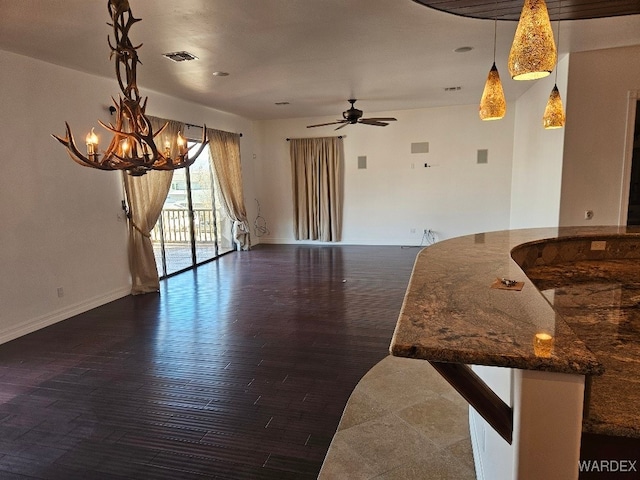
x=180, y=56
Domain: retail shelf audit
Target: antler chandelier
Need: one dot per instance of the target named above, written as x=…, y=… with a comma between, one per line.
x=132, y=147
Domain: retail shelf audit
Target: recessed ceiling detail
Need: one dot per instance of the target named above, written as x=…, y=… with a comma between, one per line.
x=180, y=56
x=510, y=9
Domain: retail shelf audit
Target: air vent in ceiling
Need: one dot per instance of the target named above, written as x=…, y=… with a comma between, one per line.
x=180, y=56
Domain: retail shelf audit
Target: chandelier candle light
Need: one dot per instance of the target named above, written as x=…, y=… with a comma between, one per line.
x=132, y=147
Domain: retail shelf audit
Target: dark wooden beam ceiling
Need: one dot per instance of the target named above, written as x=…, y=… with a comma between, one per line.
x=558, y=9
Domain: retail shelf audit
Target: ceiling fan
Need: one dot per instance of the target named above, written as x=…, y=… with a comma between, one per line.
x=353, y=115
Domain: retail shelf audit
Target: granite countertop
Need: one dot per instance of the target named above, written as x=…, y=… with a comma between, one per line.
x=450, y=313
x=599, y=300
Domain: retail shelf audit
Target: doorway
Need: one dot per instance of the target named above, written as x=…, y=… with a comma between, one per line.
x=193, y=228
x=633, y=212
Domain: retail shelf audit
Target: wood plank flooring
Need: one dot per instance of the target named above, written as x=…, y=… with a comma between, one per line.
x=239, y=369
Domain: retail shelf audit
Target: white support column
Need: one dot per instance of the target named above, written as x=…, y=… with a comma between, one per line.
x=547, y=424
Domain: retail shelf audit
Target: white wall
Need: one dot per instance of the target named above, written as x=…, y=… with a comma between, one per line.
x=396, y=193
x=595, y=134
x=487, y=444
x=60, y=225
x=537, y=156
x=59, y=221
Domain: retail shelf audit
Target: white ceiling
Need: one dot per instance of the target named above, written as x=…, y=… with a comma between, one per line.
x=389, y=54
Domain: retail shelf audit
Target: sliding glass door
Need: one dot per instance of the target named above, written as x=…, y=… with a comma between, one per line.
x=193, y=227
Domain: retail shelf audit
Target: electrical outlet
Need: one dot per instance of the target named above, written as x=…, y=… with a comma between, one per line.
x=60, y=292
x=588, y=214
x=413, y=230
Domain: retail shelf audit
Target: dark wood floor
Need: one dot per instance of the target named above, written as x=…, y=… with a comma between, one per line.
x=240, y=369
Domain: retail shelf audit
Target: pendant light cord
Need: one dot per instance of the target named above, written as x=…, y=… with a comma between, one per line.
x=495, y=38
x=558, y=42
x=495, y=31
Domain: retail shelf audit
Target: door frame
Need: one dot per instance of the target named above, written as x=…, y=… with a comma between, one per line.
x=633, y=97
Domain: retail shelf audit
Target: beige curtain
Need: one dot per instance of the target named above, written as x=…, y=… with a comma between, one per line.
x=145, y=196
x=317, y=174
x=225, y=158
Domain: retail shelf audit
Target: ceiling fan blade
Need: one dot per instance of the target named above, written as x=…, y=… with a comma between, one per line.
x=381, y=119
x=370, y=121
x=324, y=124
x=345, y=123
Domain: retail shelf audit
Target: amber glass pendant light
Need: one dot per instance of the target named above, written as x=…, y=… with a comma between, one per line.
x=554, y=112
x=554, y=116
x=493, y=106
x=533, y=52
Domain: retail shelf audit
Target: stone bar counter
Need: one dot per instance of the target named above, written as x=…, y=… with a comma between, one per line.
x=552, y=357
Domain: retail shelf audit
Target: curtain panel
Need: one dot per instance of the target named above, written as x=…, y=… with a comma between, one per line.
x=317, y=175
x=225, y=159
x=145, y=196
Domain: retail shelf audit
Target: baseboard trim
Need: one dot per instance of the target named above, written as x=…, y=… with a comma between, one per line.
x=69, y=311
x=364, y=243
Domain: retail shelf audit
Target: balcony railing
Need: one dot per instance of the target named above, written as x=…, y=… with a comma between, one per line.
x=176, y=226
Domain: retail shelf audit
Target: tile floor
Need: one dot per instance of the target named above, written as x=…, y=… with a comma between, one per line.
x=402, y=421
